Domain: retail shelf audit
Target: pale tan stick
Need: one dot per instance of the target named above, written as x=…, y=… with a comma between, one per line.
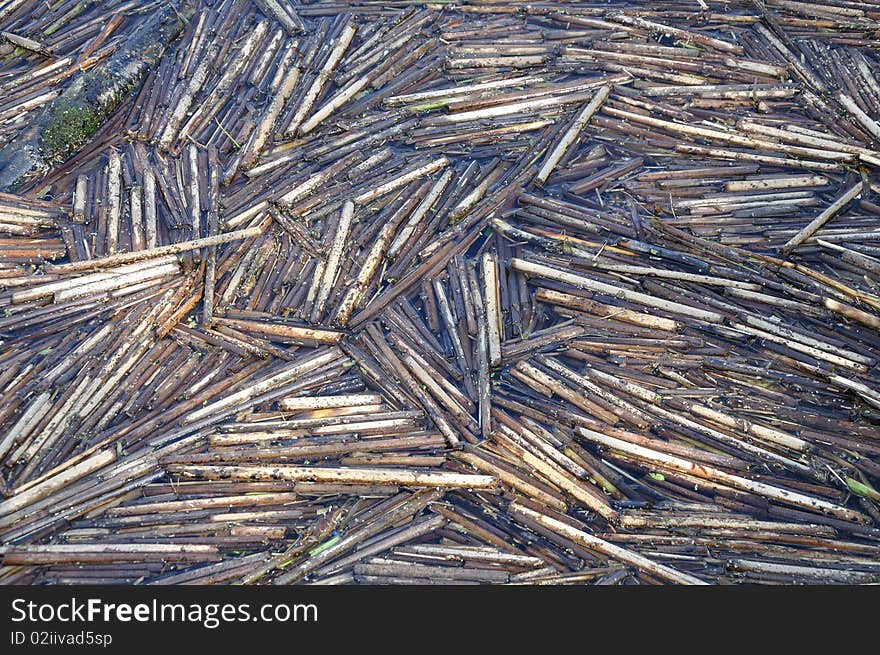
x=28, y=420
x=737, y=139
x=420, y=212
x=114, y=197
x=161, y=251
x=777, y=328
x=400, y=181
x=281, y=330
x=677, y=275
x=721, y=153
x=50, y=288
x=196, y=82
x=334, y=103
x=766, y=183
x=21, y=500
x=606, y=311
x=709, y=473
x=117, y=282
x=738, y=423
x=559, y=477
x=317, y=86
x=333, y=258
x=150, y=224
x=138, y=240
x=463, y=90
x=572, y=134
x=261, y=135
x=814, y=225
x=492, y=298
x=606, y=548
x=289, y=373
x=515, y=107
x=107, y=552
x=581, y=282
x=79, y=198
x=341, y=475
x=515, y=481
x=299, y=403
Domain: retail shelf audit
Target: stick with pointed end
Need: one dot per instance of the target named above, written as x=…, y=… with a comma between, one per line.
x=572, y=134
x=821, y=219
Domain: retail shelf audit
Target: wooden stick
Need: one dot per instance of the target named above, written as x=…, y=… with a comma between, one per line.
x=331, y=266
x=710, y=473
x=816, y=224
x=572, y=133
x=324, y=402
x=601, y=546
x=581, y=282
x=161, y=251
x=342, y=475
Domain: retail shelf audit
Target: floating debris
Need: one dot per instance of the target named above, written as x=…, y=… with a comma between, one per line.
x=402, y=293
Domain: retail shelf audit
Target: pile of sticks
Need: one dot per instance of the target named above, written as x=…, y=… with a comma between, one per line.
x=487, y=293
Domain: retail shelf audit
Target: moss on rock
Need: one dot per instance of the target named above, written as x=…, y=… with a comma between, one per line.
x=70, y=126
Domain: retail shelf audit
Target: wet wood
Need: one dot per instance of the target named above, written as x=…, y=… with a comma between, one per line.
x=413, y=293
